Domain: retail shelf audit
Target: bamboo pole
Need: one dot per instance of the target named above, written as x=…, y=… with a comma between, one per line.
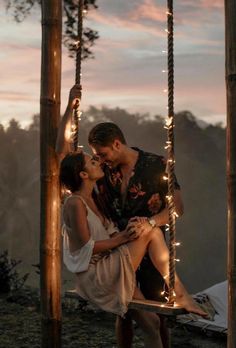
x=230, y=50
x=50, y=259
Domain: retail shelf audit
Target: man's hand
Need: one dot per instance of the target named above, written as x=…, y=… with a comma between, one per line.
x=74, y=96
x=141, y=223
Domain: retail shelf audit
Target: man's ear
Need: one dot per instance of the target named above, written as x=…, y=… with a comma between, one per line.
x=83, y=175
x=116, y=144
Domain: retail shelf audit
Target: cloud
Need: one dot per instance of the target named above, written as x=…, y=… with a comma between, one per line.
x=126, y=71
x=150, y=11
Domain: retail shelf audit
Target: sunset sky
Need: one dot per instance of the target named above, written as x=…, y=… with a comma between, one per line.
x=128, y=64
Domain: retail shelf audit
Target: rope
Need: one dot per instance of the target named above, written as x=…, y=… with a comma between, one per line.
x=77, y=113
x=170, y=157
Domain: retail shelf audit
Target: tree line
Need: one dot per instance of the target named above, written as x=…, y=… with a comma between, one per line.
x=200, y=169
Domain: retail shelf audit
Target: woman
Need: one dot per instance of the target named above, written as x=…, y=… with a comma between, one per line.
x=103, y=260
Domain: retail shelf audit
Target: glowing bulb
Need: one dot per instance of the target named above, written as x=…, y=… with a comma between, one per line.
x=169, y=121
x=170, y=160
x=165, y=90
x=164, y=51
x=77, y=43
x=163, y=71
x=177, y=260
x=166, y=30
x=165, y=177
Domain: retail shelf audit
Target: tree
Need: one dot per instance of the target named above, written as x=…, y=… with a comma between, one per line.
x=20, y=9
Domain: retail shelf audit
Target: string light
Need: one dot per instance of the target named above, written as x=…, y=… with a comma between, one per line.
x=170, y=160
x=169, y=294
x=77, y=44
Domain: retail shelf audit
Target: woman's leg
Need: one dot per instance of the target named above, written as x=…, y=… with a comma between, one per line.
x=154, y=242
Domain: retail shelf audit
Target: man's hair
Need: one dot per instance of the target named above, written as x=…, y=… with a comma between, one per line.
x=105, y=133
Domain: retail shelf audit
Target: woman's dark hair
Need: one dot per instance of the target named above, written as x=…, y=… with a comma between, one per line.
x=71, y=166
x=105, y=133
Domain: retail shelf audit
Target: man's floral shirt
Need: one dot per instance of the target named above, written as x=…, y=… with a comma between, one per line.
x=146, y=191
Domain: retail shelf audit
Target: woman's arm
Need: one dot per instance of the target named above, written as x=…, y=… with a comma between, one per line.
x=63, y=142
x=77, y=217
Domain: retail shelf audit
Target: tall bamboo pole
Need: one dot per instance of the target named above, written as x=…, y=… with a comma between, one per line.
x=50, y=260
x=230, y=50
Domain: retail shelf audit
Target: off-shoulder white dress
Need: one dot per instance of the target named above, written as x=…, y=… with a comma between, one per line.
x=106, y=279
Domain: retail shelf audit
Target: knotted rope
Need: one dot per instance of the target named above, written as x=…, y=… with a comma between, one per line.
x=170, y=149
x=79, y=43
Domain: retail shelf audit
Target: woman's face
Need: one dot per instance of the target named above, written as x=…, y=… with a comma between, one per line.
x=93, y=167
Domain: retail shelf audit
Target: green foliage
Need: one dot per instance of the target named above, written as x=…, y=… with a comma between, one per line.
x=9, y=277
x=20, y=9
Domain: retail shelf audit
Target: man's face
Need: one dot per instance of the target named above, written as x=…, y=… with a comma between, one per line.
x=107, y=154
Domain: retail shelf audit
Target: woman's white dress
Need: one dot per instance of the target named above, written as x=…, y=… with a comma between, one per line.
x=106, y=279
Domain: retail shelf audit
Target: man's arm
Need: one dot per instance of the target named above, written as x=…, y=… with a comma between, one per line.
x=162, y=218
x=63, y=142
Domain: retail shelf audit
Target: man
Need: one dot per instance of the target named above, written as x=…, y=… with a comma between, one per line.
x=133, y=186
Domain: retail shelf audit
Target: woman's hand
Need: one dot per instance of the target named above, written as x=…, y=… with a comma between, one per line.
x=74, y=96
x=130, y=233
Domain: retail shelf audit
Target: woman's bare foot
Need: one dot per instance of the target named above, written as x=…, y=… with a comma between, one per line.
x=187, y=302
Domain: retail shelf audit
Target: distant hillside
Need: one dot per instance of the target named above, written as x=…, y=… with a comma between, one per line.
x=200, y=168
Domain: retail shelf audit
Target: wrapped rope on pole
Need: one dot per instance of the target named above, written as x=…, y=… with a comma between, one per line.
x=170, y=149
x=79, y=43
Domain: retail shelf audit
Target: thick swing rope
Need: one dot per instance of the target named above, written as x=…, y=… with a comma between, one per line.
x=170, y=157
x=77, y=113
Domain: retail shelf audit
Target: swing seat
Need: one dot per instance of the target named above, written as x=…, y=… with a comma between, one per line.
x=161, y=308
x=147, y=305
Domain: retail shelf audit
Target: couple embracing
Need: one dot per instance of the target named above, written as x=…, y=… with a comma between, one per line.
x=113, y=227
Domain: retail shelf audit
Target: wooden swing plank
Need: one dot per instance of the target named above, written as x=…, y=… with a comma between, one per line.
x=147, y=305
x=157, y=307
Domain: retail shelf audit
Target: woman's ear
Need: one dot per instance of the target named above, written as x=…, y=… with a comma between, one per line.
x=83, y=175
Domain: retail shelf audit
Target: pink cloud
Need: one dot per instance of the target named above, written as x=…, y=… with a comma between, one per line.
x=16, y=96
x=123, y=23
x=203, y=4
x=212, y=3
x=149, y=10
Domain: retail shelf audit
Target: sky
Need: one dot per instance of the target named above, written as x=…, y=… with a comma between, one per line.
x=129, y=60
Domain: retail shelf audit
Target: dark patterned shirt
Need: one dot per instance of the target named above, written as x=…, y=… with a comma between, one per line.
x=145, y=193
